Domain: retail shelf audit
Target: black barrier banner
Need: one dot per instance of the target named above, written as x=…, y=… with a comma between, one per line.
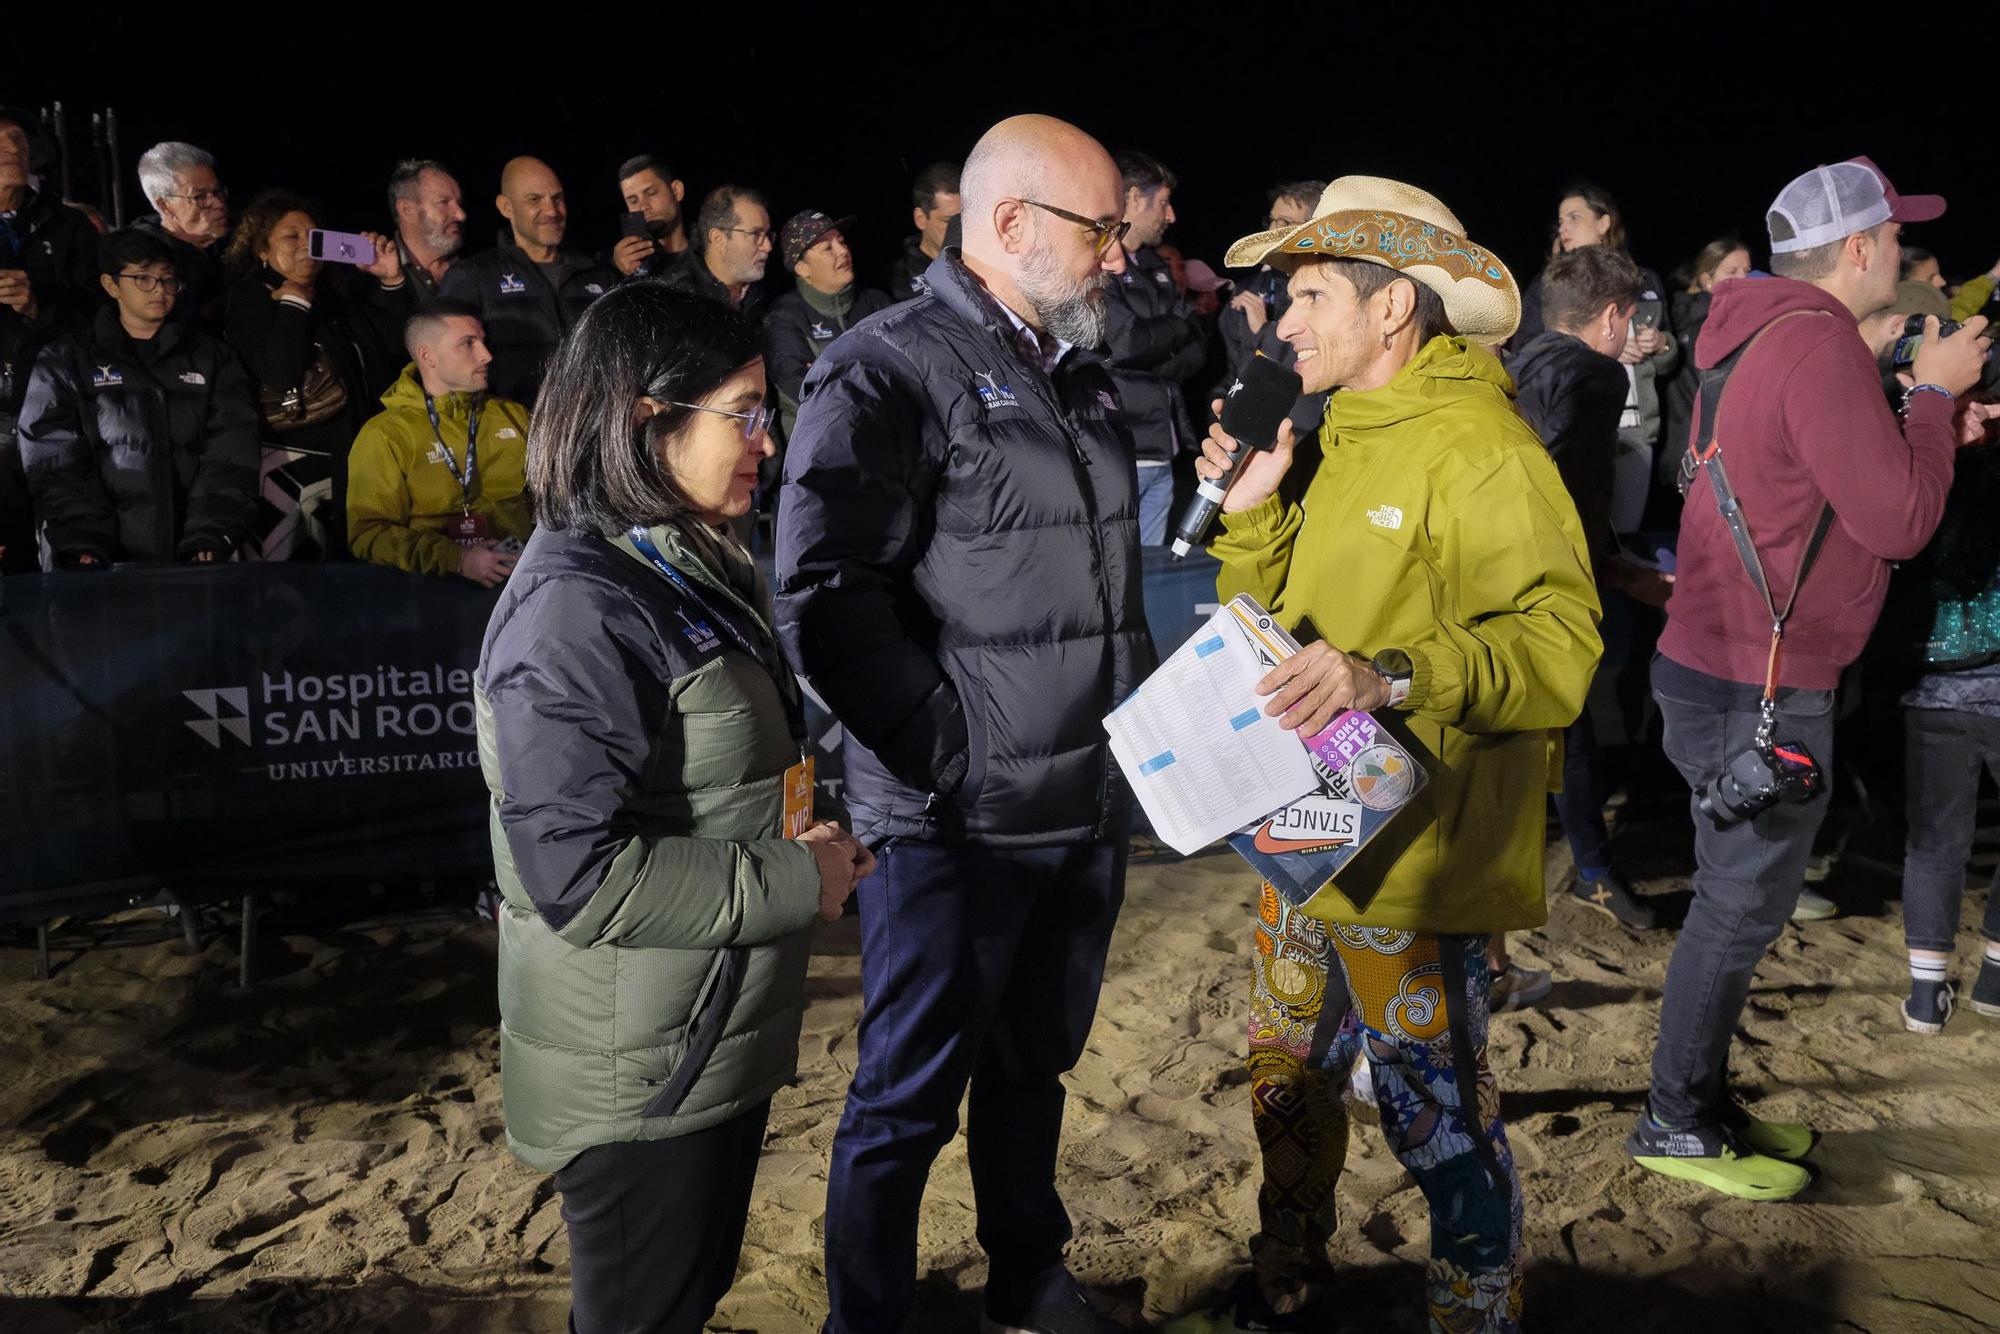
x=260, y=726
x=239, y=727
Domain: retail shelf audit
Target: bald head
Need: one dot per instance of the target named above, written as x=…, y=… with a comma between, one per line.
x=531, y=200
x=1040, y=158
x=1048, y=268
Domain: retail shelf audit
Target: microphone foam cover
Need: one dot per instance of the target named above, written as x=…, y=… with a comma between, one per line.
x=1258, y=402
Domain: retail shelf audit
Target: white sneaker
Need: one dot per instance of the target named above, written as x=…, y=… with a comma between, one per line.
x=1519, y=987
x=1814, y=906
x=1361, y=1082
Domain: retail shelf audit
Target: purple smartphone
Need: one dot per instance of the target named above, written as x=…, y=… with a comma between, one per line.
x=340, y=247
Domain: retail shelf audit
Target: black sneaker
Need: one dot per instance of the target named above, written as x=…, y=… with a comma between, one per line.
x=1985, y=997
x=1612, y=895
x=1929, y=1007
x=1068, y=1313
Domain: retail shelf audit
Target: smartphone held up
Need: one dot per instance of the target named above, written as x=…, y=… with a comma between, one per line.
x=340, y=247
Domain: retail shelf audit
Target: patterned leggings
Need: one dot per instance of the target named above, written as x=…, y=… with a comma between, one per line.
x=1308, y=1022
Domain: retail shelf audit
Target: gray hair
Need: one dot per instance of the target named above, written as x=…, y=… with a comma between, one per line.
x=406, y=181
x=160, y=164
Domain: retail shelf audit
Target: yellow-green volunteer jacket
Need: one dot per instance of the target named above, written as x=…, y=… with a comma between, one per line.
x=1437, y=524
x=401, y=492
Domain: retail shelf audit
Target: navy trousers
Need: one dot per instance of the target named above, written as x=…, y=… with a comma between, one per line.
x=978, y=966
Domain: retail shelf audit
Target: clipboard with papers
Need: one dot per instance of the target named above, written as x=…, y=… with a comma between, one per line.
x=1206, y=762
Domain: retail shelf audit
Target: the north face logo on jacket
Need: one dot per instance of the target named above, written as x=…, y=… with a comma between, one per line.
x=1386, y=516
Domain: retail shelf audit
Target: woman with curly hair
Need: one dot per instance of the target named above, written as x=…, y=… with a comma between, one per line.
x=321, y=341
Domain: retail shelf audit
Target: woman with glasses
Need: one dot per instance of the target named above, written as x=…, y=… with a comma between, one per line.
x=137, y=433
x=654, y=843
x=322, y=342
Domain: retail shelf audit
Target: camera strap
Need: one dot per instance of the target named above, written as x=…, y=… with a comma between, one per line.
x=1705, y=455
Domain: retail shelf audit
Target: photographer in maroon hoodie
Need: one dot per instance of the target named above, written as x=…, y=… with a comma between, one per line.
x=1802, y=426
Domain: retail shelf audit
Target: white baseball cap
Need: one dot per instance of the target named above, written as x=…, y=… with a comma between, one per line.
x=1830, y=203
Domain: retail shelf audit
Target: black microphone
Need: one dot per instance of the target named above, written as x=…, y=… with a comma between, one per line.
x=1252, y=411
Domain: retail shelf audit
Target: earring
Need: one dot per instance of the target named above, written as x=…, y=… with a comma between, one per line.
x=1387, y=341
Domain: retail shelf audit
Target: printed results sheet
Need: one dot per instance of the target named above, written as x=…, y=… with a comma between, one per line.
x=1194, y=741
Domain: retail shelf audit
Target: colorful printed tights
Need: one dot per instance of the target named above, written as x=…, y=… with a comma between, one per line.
x=1387, y=996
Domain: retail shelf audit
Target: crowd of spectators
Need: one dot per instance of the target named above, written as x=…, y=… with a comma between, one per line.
x=316, y=351
x=209, y=384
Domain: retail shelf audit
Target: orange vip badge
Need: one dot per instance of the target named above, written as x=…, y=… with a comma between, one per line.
x=798, y=798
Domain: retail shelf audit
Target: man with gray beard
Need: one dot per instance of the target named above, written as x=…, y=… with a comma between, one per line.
x=424, y=198
x=959, y=578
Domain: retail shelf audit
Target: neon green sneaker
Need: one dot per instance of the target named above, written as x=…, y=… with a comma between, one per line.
x=1790, y=1140
x=1715, y=1157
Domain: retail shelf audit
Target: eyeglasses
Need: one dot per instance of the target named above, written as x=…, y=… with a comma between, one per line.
x=756, y=422
x=219, y=195
x=757, y=235
x=1108, y=233
x=153, y=282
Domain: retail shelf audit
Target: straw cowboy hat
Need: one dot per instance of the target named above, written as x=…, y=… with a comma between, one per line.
x=1406, y=229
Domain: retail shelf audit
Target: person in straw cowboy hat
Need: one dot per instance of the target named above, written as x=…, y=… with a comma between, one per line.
x=1435, y=567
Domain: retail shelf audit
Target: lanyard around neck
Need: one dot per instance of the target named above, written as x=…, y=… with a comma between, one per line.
x=463, y=477
x=787, y=690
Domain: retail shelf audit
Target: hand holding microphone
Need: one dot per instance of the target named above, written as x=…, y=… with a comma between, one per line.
x=1246, y=453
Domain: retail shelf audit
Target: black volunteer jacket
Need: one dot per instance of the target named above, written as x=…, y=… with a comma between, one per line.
x=140, y=451
x=202, y=278
x=526, y=309
x=1572, y=395
x=959, y=572
x=904, y=280
x=1153, y=342
x=795, y=335
x=57, y=248
x=689, y=272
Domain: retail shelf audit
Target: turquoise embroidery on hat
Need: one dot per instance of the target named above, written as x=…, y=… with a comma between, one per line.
x=1402, y=241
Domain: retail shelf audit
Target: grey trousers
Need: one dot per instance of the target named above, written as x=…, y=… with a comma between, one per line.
x=1746, y=882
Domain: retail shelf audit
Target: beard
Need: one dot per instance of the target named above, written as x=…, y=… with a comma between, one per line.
x=442, y=242
x=1071, y=310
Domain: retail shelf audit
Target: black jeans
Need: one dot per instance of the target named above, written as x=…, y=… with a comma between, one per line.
x=1746, y=882
x=656, y=1226
x=1580, y=805
x=1943, y=752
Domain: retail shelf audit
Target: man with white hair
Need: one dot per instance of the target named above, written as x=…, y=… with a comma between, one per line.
x=192, y=217
x=959, y=578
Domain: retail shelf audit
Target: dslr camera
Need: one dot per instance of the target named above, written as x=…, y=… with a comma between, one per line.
x=1758, y=779
x=1912, y=338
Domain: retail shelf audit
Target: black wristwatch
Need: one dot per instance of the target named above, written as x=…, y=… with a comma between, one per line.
x=1394, y=667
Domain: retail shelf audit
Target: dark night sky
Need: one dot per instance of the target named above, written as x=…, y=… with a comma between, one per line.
x=1693, y=145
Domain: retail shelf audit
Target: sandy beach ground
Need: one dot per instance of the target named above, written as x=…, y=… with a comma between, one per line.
x=324, y=1152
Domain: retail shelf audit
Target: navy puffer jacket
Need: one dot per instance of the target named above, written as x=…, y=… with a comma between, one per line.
x=959, y=572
